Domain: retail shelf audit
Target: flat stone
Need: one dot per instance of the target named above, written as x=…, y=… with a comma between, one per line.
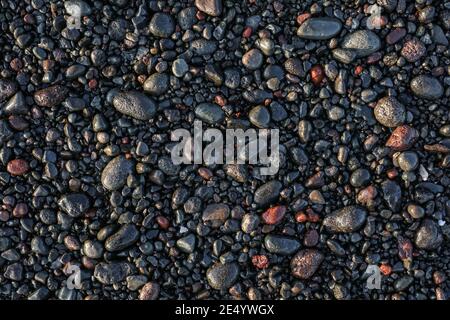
x=156, y=84
x=319, y=28
x=267, y=193
x=210, y=113
x=281, y=245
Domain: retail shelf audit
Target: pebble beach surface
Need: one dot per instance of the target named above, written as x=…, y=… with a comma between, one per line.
x=90, y=91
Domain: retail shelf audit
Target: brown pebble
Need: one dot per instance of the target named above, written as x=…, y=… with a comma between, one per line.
x=150, y=291
x=413, y=50
x=205, y=173
x=311, y=238
x=163, y=222
x=402, y=138
x=274, y=215
x=395, y=35
x=305, y=263
x=317, y=75
x=17, y=167
x=20, y=210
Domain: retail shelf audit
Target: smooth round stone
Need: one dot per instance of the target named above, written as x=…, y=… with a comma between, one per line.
x=319, y=28
x=408, y=161
x=93, y=249
x=222, y=276
x=187, y=18
x=390, y=112
x=259, y=116
x=428, y=236
x=210, y=113
x=273, y=71
x=179, y=68
x=162, y=25
x=135, y=104
x=252, y=59
x=203, y=47
x=281, y=245
x=415, y=211
x=116, y=172
x=360, y=178
x=156, y=84
x=267, y=193
x=345, y=220
x=427, y=87
x=74, y=204
x=232, y=78
x=362, y=42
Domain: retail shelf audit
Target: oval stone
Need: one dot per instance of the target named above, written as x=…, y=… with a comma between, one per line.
x=116, y=172
x=135, y=104
x=319, y=28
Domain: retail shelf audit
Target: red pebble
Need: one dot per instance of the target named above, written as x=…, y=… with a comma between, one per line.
x=17, y=167
x=303, y=17
x=317, y=75
x=274, y=215
x=247, y=33
x=163, y=222
x=260, y=261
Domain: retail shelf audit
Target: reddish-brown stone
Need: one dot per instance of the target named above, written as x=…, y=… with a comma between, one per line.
x=317, y=75
x=395, y=35
x=17, y=167
x=303, y=17
x=402, y=138
x=20, y=210
x=274, y=215
x=163, y=222
x=260, y=261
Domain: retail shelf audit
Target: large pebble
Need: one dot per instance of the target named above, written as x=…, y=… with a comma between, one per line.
x=402, y=138
x=362, y=42
x=319, y=28
x=135, y=104
x=51, y=96
x=428, y=236
x=252, y=59
x=267, y=193
x=126, y=236
x=210, y=113
x=390, y=112
x=210, y=7
x=116, y=172
x=281, y=245
x=427, y=87
x=156, y=84
x=222, y=276
x=162, y=25
x=74, y=204
x=345, y=220
x=305, y=263
x=7, y=89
